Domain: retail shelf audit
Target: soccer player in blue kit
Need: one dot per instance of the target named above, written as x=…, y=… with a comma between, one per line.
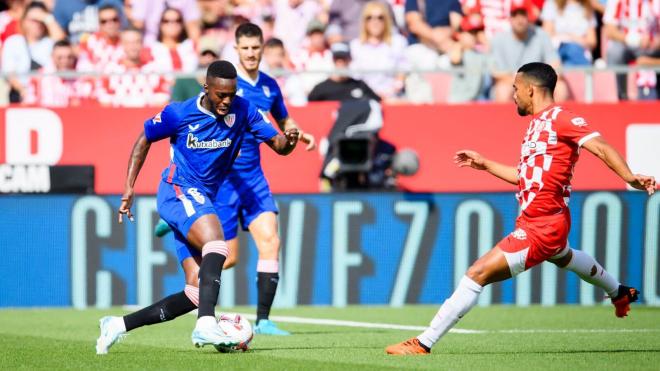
x=205, y=133
x=245, y=195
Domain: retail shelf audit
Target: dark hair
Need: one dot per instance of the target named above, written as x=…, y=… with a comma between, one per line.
x=541, y=74
x=221, y=69
x=183, y=35
x=274, y=42
x=64, y=43
x=33, y=5
x=248, y=30
x=107, y=6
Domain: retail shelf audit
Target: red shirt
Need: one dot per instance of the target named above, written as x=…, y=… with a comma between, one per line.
x=548, y=155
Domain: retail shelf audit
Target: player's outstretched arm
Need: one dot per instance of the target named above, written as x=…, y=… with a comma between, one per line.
x=474, y=160
x=138, y=155
x=599, y=147
x=307, y=138
x=284, y=144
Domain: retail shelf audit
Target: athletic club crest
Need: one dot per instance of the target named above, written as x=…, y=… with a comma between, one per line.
x=266, y=91
x=230, y=119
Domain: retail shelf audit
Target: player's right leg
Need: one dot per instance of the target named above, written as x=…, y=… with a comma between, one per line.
x=588, y=269
x=190, y=212
x=491, y=267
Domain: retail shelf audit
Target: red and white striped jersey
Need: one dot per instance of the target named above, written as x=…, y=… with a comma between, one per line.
x=548, y=155
x=122, y=89
x=54, y=91
x=640, y=16
x=495, y=13
x=97, y=52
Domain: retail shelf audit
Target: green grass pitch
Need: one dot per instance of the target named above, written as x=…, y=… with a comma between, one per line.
x=555, y=338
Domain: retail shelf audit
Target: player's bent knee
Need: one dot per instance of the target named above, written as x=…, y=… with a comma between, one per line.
x=477, y=273
x=269, y=247
x=230, y=262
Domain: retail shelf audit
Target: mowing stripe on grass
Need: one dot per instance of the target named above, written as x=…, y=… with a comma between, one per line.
x=389, y=326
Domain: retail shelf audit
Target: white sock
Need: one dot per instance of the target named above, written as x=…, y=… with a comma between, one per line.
x=119, y=322
x=206, y=321
x=459, y=303
x=589, y=270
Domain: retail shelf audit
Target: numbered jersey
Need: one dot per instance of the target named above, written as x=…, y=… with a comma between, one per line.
x=265, y=94
x=549, y=152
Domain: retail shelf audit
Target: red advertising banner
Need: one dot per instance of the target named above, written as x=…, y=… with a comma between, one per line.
x=103, y=137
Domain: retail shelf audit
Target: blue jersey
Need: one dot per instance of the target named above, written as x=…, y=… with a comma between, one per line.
x=205, y=146
x=265, y=94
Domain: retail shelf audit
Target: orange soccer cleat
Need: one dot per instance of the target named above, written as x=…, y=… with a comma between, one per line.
x=623, y=299
x=408, y=347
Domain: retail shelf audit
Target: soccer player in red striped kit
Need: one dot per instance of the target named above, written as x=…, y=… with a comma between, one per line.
x=549, y=152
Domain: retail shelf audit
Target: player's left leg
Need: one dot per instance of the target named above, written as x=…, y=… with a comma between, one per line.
x=588, y=269
x=491, y=267
x=115, y=328
x=264, y=232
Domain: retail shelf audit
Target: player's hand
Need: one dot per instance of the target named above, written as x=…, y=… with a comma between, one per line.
x=308, y=139
x=644, y=183
x=470, y=158
x=292, y=136
x=125, y=207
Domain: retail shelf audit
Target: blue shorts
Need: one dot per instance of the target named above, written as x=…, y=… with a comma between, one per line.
x=180, y=207
x=244, y=200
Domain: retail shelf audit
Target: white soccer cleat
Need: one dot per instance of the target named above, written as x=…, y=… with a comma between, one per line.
x=112, y=331
x=207, y=332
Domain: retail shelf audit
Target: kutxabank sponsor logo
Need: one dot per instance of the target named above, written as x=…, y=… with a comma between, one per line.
x=194, y=143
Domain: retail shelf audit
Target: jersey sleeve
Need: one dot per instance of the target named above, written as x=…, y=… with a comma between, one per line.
x=165, y=124
x=278, y=109
x=574, y=129
x=259, y=125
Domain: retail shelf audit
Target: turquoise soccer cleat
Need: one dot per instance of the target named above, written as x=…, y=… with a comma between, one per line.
x=162, y=228
x=268, y=327
x=212, y=335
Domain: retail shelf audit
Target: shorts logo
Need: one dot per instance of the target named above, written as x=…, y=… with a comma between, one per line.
x=196, y=196
x=230, y=119
x=156, y=118
x=519, y=234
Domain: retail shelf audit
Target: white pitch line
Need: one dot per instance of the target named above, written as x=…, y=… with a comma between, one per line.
x=388, y=326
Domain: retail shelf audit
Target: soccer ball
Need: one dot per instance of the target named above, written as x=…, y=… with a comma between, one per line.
x=238, y=327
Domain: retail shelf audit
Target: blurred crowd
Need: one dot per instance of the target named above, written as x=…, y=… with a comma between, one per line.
x=130, y=50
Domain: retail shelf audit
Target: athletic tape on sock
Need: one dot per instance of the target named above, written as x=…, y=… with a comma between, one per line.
x=192, y=293
x=268, y=266
x=215, y=247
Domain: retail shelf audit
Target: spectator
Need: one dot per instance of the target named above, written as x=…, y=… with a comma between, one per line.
x=275, y=59
x=81, y=17
x=174, y=51
x=379, y=47
x=9, y=19
x=188, y=87
x=54, y=91
x=431, y=29
x=147, y=14
x=647, y=81
x=30, y=49
x=470, y=84
x=216, y=20
x=344, y=20
x=572, y=26
x=631, y=28
x=430, y=24
x=339, y=87
x=497, y=14
x=123, y=87
x=525, y=43
x=313, y=56
x=102, y=48
x=292, y=18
